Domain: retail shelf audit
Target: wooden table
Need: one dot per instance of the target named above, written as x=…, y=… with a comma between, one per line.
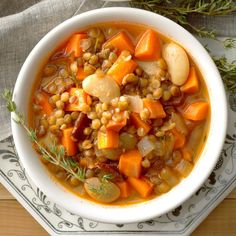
x=15, y=220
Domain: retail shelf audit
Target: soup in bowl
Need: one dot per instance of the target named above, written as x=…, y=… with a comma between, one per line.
x=122, y=113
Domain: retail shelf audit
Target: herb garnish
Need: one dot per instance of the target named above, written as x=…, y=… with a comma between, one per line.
x=180, y=11
x=55, y=155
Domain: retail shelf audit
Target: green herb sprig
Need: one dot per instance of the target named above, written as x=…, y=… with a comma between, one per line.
x=228, y=72
x=55, y=154
x=180, y=11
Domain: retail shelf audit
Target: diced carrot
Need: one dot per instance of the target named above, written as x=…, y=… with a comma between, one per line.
x=187, y=154
x=143, y=186
x=124, y=189
x=117, y=125
x=73, y=44
x=80, y=98
x=43, y=101
x=179, y=139
x=196, y=111
x=191, y=85
x=138, y=122
x=69, y=145
x=80, y=74
x=121, y=67
x=109, y=139
x=148, y=46
x=130, y=163
x=121, y=41
x=155, y=108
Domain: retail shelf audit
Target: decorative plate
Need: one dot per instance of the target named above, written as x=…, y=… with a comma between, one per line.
x=181, y=221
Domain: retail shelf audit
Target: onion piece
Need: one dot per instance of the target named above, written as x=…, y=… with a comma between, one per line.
x=135, y=103
x=145, y=146
x=184, y=167
x=150, y=67
x=179, y=123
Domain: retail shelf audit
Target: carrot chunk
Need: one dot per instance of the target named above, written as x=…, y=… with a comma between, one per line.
x=109, y=139
x=73, y=44
x=121, y=41
x=43, y=101
x=142, y=186
x=69, y=145
x=179, y=139
x=80, y=98
x=124, y=189
x=155, y=108
x=80, y=74
x=117, y=125
x=122, y=66
x=130, y=163
x=196, y=111
x=138, y=122
x=191, y=85
x=149, y=46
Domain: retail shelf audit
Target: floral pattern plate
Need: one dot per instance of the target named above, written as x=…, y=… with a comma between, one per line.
x=181, y=221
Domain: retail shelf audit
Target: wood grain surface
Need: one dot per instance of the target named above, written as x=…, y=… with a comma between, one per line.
x=16, y=221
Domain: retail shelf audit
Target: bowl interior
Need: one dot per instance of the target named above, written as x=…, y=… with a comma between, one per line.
x=157, y=206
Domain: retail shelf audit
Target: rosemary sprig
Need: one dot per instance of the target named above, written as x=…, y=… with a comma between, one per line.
x=180, y=11
x=55, y=155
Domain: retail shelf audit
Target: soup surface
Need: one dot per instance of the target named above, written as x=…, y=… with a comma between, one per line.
x=123, y=110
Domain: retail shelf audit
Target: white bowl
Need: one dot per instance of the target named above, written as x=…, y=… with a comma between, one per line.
x=159, y=205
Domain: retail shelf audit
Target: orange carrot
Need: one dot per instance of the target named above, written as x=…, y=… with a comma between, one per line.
x=124, y=189
x=80, y=74
x=138, y=122
x=69, y=145
x=117, y=125
x=121, y=67
x=148, y=46
x=109, y=139
x=196, y=111
x=143, y=186
x=179, y=139
x=121, y=41
x=187, y=154
x=43, y=101
x=155, y=108
x=191, y=85
x=80, y=98
x=130, y=163
x=73, y=44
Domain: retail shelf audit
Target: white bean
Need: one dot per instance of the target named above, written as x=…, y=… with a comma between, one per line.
x=101, y=191
x=177, y=63
x=102, y=87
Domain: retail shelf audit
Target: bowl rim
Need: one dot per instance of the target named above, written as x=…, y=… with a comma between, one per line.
x=129, y=214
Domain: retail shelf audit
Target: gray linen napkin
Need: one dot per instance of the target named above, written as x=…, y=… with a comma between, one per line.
x=23, y=23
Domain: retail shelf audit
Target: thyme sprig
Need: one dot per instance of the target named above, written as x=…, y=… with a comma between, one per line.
x=228, y=72
x=54, y=154
x=180, y=11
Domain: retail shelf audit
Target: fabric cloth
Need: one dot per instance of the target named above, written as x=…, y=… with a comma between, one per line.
x=23, y=23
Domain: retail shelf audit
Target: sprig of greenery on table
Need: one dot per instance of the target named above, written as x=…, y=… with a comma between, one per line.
x=180, y=12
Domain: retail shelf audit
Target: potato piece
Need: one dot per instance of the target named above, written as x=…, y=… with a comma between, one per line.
x=101, y=191
x=177, y=63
